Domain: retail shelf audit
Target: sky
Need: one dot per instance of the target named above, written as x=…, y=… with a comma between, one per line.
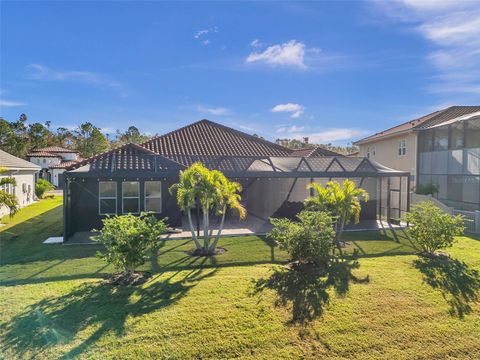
x=332, y=71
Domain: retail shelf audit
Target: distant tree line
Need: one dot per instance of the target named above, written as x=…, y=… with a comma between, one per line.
x=299, y=144
x=21, y=137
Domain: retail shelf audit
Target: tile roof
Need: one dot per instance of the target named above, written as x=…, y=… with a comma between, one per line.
x=423, y=122
x=9, y=161
x=205, y=137
x=314, y=152
x=43, y=154
x=65, y=164
x=55, y=149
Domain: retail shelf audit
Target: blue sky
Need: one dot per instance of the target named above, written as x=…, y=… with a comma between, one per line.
x=333, y=71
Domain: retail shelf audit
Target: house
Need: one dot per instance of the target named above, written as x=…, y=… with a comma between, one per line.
x=53, y=161
x=137, y=177
x=397, y=147
x=442, y=148
x=24, y=174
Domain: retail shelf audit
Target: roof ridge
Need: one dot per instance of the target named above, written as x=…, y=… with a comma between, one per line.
x=218, y=125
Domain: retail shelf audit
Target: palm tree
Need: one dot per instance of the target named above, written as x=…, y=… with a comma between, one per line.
x=214, y=192
x=6, y=199
x=342, y=201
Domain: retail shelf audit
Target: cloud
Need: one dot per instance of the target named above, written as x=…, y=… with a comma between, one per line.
x=331, y=135
x=291, y=129
x=289, y=54
x=201, y=35
x=256, y=43
x=213, y=110
x=44, y=73
x=9, y=103
x=296, y=110
x=453, y=28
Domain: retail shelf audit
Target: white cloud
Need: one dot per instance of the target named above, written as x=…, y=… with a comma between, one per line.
x=9, y=103
x=256, y=43
x=290, y=54
x=453, y=27
x=332, y=135
x=202, y=34
x=213, y=110
x=291, y=129
x=296, y=110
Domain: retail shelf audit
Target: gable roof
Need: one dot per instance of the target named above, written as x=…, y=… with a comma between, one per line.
x=423, y=122
x=11, y=162
x=205, y=137
x=55, y=149
x=314, y=152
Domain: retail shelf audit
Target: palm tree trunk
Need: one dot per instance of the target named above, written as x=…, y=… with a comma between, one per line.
x=205, y=228
x=192, y=229
x=220, y=228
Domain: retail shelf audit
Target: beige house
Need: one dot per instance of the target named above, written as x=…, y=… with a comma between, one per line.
x=24, y=174
x=397, y=147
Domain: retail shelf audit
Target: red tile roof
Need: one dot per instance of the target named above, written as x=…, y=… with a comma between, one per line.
x=43, y=154
x=205, y=137
x=65, y=164
x=55, y=149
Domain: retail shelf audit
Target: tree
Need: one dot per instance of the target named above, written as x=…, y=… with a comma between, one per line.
x=341, y=201
x=7, y=199
x=214, y=192
x=432, y=228
x=38, y=135
x=89, y=140
x=309, y=240
x=128, y=239
x=42, y=186
x=132, y=135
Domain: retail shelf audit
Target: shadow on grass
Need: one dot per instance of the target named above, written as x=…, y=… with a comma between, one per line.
x=458, y=283
x=101, y=307
x=307, y=290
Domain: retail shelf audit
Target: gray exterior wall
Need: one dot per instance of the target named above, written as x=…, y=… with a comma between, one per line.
x=452, y=162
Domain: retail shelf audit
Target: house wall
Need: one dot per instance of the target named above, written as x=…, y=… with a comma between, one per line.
x=45, y=162
x=24, y=190
x=82, y=210
x=56, y=178
x=386, y=153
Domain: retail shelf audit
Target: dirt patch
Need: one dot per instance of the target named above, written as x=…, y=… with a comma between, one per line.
x=129, y=279
x=201, y=252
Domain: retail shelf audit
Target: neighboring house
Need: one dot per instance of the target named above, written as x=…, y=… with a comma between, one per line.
x=135, y=178
x=24, y=174
x=441, y=148
x=397, y=147
x=53, y=160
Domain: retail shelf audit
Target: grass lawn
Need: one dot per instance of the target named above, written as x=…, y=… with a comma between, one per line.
x=387, y=305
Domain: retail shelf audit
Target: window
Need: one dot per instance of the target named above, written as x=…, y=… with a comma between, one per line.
x=426, y=141
x=153, y=196
x=402, y=147
x=44, y=161
x=131, y=197
x=371, y=151
x=107, y=197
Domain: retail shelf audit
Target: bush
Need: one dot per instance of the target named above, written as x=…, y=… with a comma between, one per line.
x=42, y=186
x=432, y=229
x=308, y=240
x=128, y=239
x=427, y=189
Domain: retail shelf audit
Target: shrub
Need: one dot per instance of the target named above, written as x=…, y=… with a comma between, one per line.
x=308, y=240
x=42, y=186
x=432, y=229
x=427, y=189
x=128, y=238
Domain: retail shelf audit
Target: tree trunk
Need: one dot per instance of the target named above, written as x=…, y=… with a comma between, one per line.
x=220, y=228
x=205, y=228
x=192, y=229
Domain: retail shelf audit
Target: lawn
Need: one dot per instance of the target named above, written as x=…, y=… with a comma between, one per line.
x=387, y=305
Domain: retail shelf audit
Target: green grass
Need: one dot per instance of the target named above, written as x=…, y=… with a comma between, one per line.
x=387, y=305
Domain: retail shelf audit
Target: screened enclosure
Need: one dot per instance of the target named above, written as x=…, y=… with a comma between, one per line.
x=272, y=186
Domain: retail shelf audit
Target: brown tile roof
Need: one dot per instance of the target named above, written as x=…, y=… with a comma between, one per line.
x=205, y=137
x=65, y=164
x=9, y=161
x=55, y=149
x=314, y=152
x=43, y=154
x=423, y=122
